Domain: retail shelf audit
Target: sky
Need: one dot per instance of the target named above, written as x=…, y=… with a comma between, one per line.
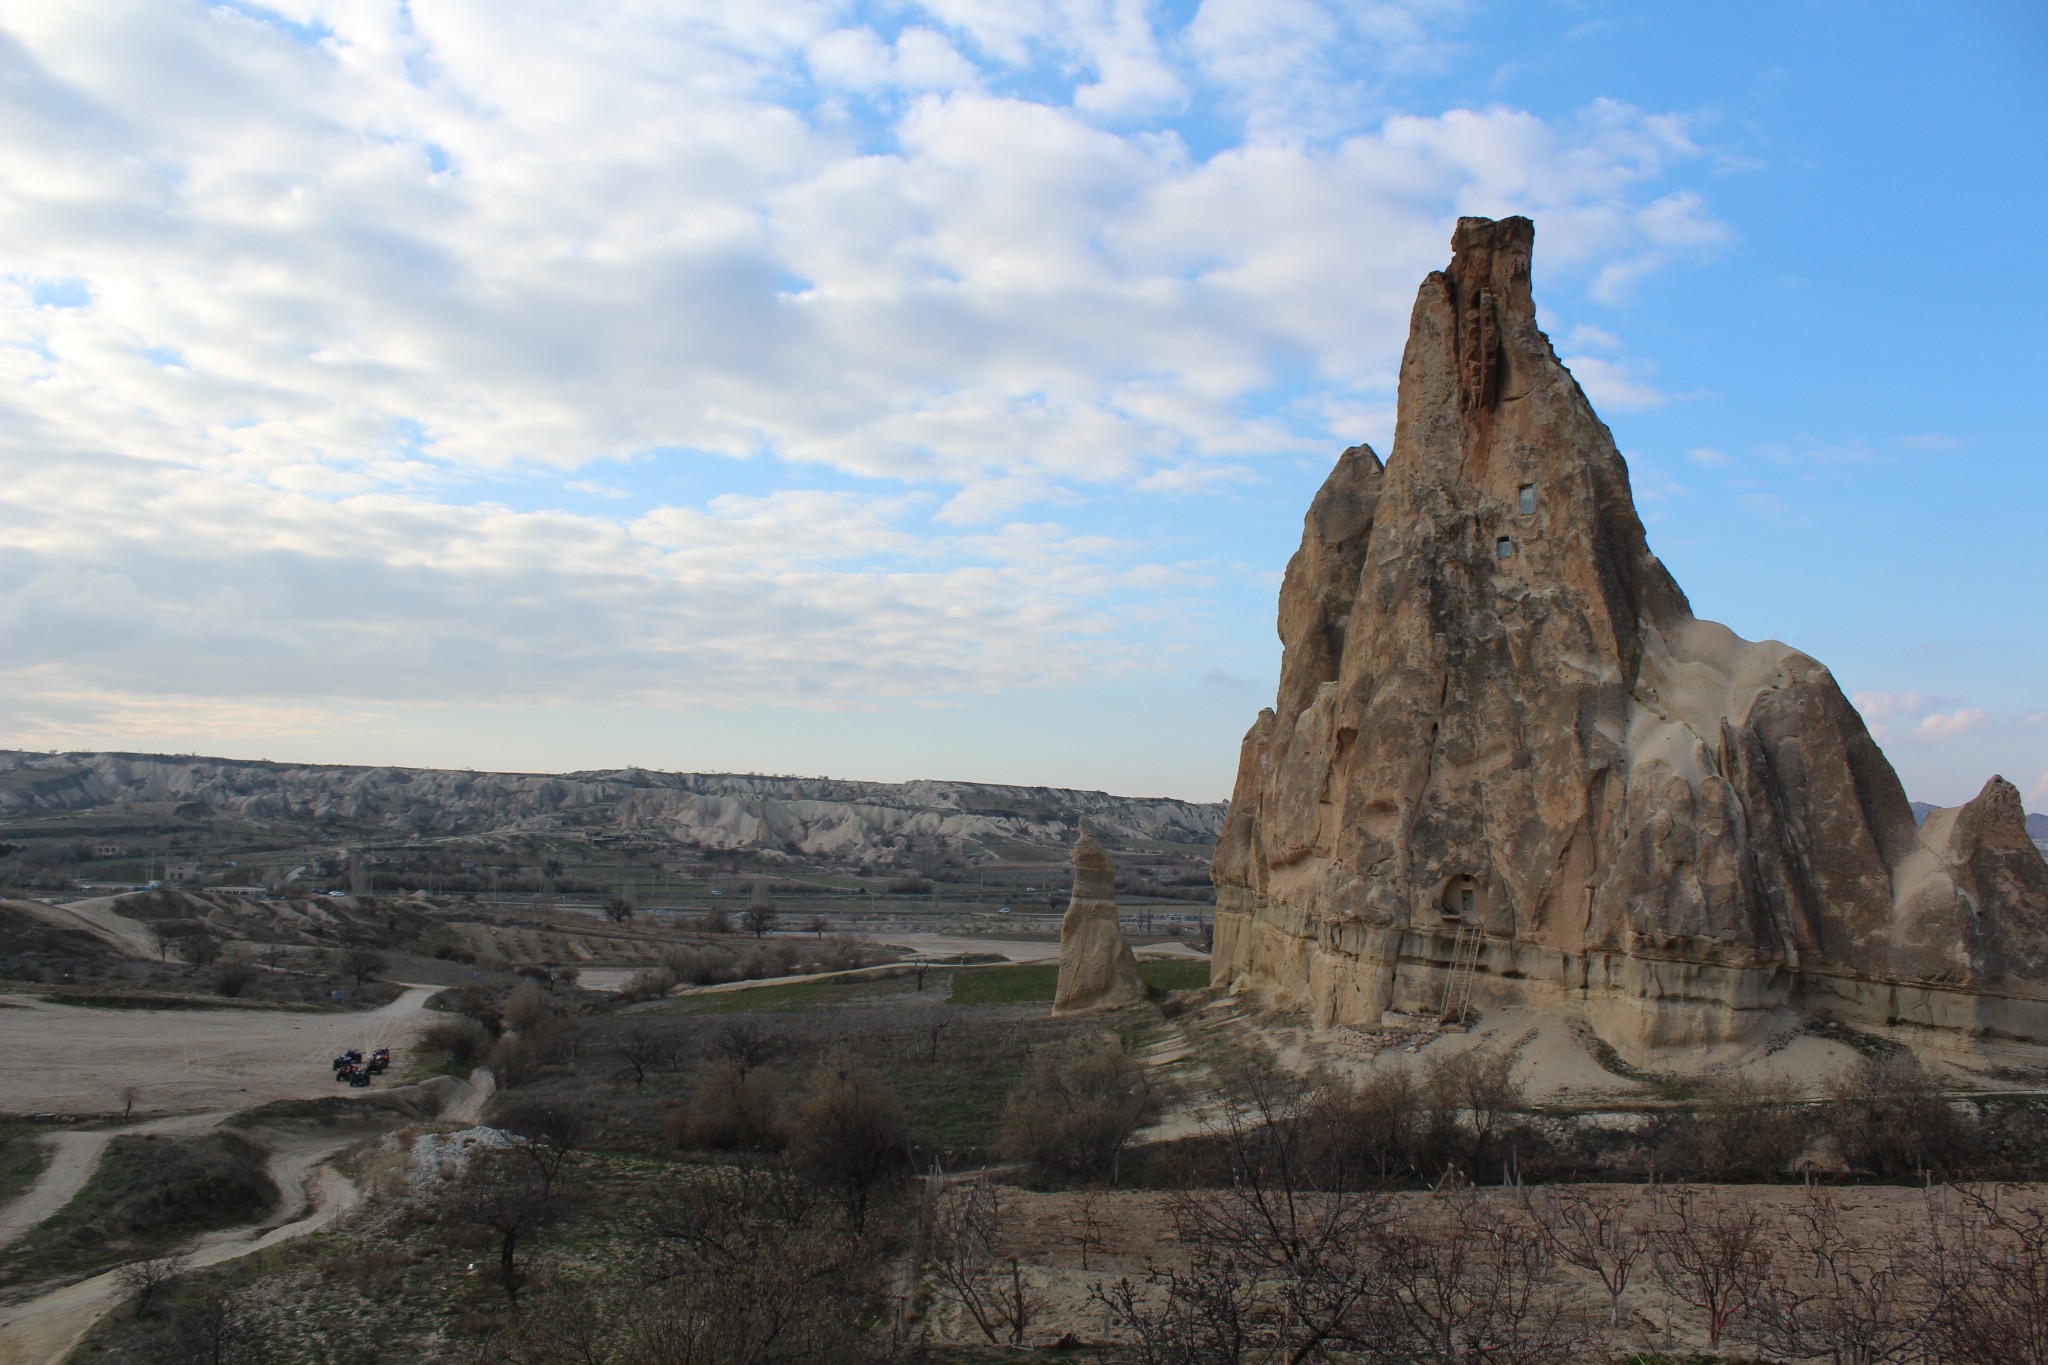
x=935, y=388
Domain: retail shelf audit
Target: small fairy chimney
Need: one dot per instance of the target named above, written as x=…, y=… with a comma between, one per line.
x=1097, y=970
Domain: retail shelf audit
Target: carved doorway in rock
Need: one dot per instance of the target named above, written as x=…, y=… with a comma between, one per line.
x=1464, y=900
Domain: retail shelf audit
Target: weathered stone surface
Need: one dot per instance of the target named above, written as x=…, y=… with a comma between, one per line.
x=1497, y=710
x=1096, y=966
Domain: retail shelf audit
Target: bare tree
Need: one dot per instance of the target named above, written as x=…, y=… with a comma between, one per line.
x=1710, y=1254
x=971, y=1268
x=1604, y=1231
x=198, y=947
x=362, y=963
x=547, y=1136
x=142, y=1281
x=762, y=919
x=639, y=1048
x=1993, y=1268
x=817, y=925
x=619, y=907
x=935, y=1027
x=1469, y=1281
x=848, y=1134
x=1843, y=1301
x=919, y=971
x=163, y=933
x=504, y=1195
x=225, y=1332
x=745, y=1045
x=129, y=1094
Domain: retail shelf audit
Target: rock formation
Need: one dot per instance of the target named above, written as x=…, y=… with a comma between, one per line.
x=1096, y=966
x=1498, y=714
x=878, y=824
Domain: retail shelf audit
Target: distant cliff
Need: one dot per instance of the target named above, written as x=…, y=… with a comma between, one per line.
x=819, y=818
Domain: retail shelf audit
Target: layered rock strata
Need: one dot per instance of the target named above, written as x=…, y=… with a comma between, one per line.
x=1498, y=716
x=1097, y=970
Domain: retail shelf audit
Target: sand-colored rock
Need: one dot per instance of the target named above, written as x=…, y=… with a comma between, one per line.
x=1497, y=711
x=1097, y=969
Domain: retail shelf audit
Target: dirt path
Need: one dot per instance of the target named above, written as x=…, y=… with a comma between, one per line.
x=98, y=918
x=75, y=1157
x=312, y=1195
x=77, y=1060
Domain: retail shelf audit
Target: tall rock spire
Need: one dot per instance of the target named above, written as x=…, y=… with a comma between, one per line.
x=1493, y=693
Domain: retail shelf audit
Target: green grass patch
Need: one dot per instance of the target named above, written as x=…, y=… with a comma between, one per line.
x=22, y=1159
x=148, y=1195
x=1033, y=982
x=792, y=997
x=131, y=1000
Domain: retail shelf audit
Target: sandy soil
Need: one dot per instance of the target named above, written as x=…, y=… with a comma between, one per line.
x=44, y=1329
x=73, y=1060
x=98, y=918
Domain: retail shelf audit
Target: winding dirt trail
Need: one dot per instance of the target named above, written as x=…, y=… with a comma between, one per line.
x=313, y=1194
x=76, y=1156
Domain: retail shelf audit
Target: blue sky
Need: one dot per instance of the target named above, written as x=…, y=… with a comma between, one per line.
x=935, y=389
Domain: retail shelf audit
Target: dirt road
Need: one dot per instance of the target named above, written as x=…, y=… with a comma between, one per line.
x=72, y=1060
x=75, y=1156
x=313, y=1194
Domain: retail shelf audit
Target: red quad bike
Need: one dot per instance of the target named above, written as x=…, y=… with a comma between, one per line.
x=380, y=1061
x=358, y=1077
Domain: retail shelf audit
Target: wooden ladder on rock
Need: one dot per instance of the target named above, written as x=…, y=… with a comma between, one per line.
x=1457, y=997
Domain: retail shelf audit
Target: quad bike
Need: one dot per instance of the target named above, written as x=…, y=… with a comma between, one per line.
x=380, y=1061
x=358, y=1077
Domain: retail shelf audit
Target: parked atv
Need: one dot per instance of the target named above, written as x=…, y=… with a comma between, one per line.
x=358, y=1077
x=380, y=1061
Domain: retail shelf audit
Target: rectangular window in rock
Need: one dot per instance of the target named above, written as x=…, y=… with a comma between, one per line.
x=1528, y=498
x=1503, y=547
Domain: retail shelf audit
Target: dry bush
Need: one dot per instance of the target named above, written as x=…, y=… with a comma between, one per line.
x=1991, y=1259
x=733, y=1110
x=527, y=1007
x=650, y=984
x=461, y=1040
x=847, y=1134
x=1712, y=1254
x=1889, y=1117
x=1746, y=1128
x=844, y=952
x=969, y=1266
x=1470, y=1280
x=232, y=976
x=1075, y=1111
x=1833, y=1298
x=1469, y=1105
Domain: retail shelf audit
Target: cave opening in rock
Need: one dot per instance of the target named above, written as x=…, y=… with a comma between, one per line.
x=1527, y=498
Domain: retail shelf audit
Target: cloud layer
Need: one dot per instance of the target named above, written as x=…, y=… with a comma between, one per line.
x=686, y=353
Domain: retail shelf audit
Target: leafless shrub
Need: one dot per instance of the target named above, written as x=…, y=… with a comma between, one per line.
x=1075, y=1111
x=143, y=1281
x=971, y=1268
x=1839, y=1300
x=848, y=1136
x=546, y=1135
x=1746, y=1128
x=232, y=976
x=734, y=1110
x=527, y=1007
x=1471, y=1280
x=1710, y=1254
x=649, y=984
x=462, y=1041
x=1992, y=1261
x=1469, y=1101
x=1889, y=1117
x=1605, y=1231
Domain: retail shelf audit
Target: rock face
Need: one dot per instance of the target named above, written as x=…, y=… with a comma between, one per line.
x=1096, y=966
x=1497, y=713
x=866, y=823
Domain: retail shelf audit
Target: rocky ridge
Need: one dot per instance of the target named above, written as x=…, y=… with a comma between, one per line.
x=819, y=818
x=1501, y=734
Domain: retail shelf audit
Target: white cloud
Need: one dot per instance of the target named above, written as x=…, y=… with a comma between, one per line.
x=1614, y=385
x=2039, y=795
x=1920, y=716
x=275, y=315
